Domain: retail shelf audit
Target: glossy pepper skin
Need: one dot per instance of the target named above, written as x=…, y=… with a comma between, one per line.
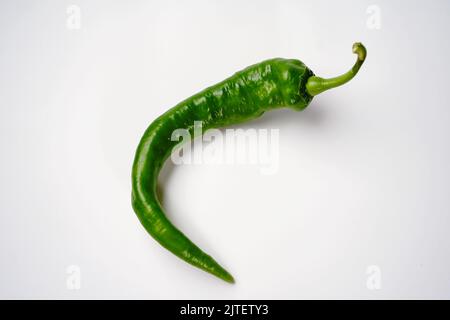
x=246, y=95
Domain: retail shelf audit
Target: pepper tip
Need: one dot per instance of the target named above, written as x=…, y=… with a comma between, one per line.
x=229, y=278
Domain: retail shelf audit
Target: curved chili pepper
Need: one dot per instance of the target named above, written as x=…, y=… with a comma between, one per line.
x=246, y=95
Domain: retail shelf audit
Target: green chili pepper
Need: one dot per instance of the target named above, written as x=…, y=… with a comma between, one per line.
x=244, y=96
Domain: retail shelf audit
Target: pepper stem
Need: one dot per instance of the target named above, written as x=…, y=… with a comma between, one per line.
x=316, y=85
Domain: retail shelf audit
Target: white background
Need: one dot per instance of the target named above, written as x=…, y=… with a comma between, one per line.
x=363, y=175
